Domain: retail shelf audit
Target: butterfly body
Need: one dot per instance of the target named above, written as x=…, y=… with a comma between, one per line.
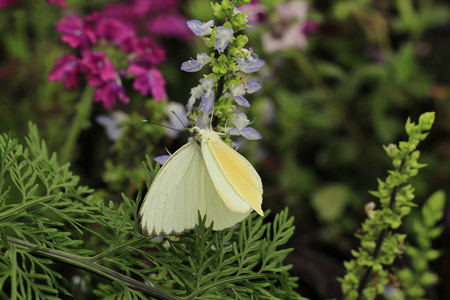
x=207, y=176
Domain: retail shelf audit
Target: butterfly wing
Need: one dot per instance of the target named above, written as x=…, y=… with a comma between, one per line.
x=181, y=189
x=234, y=178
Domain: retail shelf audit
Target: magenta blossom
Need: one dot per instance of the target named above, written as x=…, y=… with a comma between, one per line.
x=158, y=17
x=149, y=51
x=108, y=92
x=6, y=3
x=98, y=67
x=67, y=67
x=61, y=3
x=119, y=25
x=148, y=80
x=110, y=29
x=256, y=13
x=177, y=28
x=76, y=32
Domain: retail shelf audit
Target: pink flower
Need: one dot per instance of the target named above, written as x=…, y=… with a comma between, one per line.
x=160, y=17
x=99, y=69
x=75, y=32
x=121, y=25
x=61, y=3
x=149, y=51
x=311, y=26
x=256, y=12
x=170, y=25
x=111, y=29
x=108, y=92
x=148, y=80
x=292, y=37
x=67, y=67
x=289, y=32
x=6, y=3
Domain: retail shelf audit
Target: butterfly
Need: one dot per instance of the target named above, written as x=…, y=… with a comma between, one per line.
x=207, y=176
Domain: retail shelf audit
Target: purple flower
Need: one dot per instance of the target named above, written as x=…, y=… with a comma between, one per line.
x=292, y=37
x=191, y=66
x=76, y=32
x=290, y=31
x=195, y=65
x=223, y=36
x=67, y=67
x=175, y=112
x=112, y=123
x=311, y=26
x=108, y=92
x=150, y=52
x=6, y=3
x=240, y=128
x=112, y=30
x=251, y=64
x=176, y=28
x=203, y=120
x=99, y=69
x=148, y=80
x=61, y=3
x=239, y=90
x=196, y=93
x=161, y=159
x=207, y=102
x=208, y=95
x=158, y=17
x=200, y=28
x=256, y=13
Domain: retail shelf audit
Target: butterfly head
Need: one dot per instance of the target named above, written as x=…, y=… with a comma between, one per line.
x=196, y=133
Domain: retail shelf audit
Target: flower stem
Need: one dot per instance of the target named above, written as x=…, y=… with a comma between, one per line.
x=88, y=265
x=80, y=122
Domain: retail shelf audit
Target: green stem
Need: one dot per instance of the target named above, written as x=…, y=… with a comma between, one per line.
x=13, y=275
x=23, y=206
x=88, y=265
x=228, y=281
x=111, y=250
x=381, y=237
x=80, y=122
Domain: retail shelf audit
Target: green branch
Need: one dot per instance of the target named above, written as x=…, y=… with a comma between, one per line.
x=88, y=265
x=80, y=122
x=379, y=241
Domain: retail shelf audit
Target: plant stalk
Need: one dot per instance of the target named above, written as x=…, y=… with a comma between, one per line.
x=88, y=265
x=80, y=122
x=380, y=239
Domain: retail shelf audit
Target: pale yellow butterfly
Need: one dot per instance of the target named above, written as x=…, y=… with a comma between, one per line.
x=205, y=175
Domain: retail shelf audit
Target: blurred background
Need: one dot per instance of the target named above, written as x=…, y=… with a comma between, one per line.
x=340, y=80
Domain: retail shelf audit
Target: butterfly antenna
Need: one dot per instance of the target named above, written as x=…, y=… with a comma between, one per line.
x=178, y=118
x=147, y=121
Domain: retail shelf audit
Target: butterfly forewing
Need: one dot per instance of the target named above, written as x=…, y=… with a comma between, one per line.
x=234, y=178
x=241, y=174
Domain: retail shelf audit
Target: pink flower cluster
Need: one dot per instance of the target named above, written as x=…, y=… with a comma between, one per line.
x=290, y=28
x=6, y=3
x=117, y=25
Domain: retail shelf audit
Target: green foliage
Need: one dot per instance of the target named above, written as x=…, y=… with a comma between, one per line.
x=323, y=111
x=418, y=276
x=370, y=271
x=46, y=218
